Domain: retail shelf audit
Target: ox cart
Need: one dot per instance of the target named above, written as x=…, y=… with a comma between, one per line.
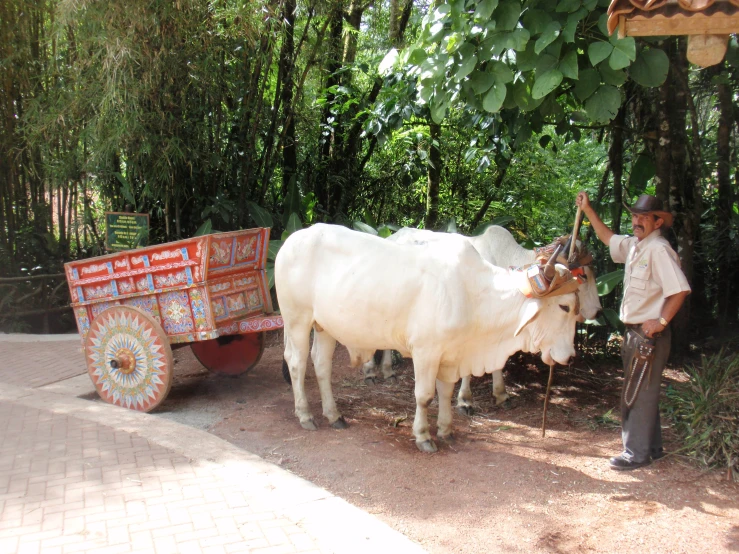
x=133, y=307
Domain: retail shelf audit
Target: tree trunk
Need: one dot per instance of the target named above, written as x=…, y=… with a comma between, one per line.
x=287, y=70
x=434, y=178
x=680, y=186
x=726, y=273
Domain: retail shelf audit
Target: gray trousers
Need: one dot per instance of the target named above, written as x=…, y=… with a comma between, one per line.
x=640, y=425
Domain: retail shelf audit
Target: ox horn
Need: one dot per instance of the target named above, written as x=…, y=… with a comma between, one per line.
x=549, y=270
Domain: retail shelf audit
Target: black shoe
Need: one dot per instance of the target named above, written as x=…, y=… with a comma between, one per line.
x=619, y=463
x=657, y=455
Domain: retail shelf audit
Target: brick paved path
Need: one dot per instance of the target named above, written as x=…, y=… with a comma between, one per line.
x=77, y=476
x=34, y=363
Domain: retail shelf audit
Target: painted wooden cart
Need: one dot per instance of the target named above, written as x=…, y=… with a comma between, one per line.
x=132, y=308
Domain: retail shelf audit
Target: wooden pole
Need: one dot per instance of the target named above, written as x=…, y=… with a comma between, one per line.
x=575, y=233
x=546, y=401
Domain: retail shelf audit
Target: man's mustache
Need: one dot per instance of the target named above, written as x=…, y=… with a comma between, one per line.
x=638, y=227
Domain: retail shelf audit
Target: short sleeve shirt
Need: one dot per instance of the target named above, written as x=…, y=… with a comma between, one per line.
x=652, y=273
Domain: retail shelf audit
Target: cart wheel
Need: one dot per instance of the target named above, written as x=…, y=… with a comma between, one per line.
x=230, y=355
x=129, y=358
x=286, y=373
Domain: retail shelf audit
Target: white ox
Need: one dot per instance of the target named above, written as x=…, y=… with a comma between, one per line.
x=497, y=246
x=441, y=304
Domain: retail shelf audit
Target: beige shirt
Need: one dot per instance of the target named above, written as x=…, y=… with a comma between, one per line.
x=652, y=274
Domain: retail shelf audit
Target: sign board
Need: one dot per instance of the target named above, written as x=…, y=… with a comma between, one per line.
x=124, y=231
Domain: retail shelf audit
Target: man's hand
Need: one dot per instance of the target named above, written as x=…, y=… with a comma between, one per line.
x=651, y=327
x=583, y=200
x=601, y=229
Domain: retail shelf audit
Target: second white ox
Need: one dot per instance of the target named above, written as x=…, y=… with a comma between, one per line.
x=441, y=304
x=497, y=246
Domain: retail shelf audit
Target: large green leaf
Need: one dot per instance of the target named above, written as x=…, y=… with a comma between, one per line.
x=568, y=6
x=613, y=319
x=573, y=20
x=466, y=66
x=615, y=77
x=624, y=52
x=523, y=98
x=438, y=109
x=494, y=98
x=204, y=229
x=603, y=105
x=507, y=15
x=260, y=216
x=536, y=20
x=485, y=9
x=481, y=81
x=587, y=84
x=599, y=51
x=362, y=226
x=386, y=230
x=502, y=72
x=550, y=34
x=293, y=201
x=568, y=65
x=732, y=52
x=546, y=83
x=642, y=171
x=650, y=68
x=606, y=283
x=274, y=248
x=293, y=224
x=417, y=56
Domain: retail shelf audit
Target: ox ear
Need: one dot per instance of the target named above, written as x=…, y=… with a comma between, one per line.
x=530, y=309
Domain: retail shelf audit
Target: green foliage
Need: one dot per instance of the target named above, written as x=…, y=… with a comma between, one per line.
x=547, y=46
x=704, y=411
x=606, y=283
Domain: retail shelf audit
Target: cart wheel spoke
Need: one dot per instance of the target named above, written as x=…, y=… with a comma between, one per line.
x=230, y=355
x=129, y=358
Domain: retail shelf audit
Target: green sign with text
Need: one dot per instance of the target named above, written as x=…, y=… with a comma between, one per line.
x=124, y=231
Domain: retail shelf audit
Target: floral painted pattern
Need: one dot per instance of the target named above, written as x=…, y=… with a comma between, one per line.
x=143, y=383
x=245, y=250
x=176, y=315
x=199, y=310
x=220, y=253
x=147, y=304
x=170, y=280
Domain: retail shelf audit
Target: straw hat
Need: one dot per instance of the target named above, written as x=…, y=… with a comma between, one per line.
x=646, y=204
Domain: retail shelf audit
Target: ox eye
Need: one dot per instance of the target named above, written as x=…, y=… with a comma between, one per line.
x=565, y=309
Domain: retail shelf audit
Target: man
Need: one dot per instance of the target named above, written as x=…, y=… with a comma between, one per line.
x=654, y=290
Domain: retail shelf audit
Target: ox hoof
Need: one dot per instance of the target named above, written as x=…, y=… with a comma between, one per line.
x=466, y=410
x=426, y=446
x=340, y=423
x=309, y=424
x=446, y=438
x=501, y=399
x=393, y=380
x=370, y=380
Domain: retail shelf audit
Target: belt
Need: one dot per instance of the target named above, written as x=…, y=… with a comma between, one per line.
x=633, y=325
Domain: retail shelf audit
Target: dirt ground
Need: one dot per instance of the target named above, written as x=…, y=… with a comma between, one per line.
x=499, y=486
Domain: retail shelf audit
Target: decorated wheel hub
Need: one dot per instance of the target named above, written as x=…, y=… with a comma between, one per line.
x=129, y=358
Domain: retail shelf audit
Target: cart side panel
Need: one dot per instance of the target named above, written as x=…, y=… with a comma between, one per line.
x=238, y=296
x=183, y=314
x=237, y=252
